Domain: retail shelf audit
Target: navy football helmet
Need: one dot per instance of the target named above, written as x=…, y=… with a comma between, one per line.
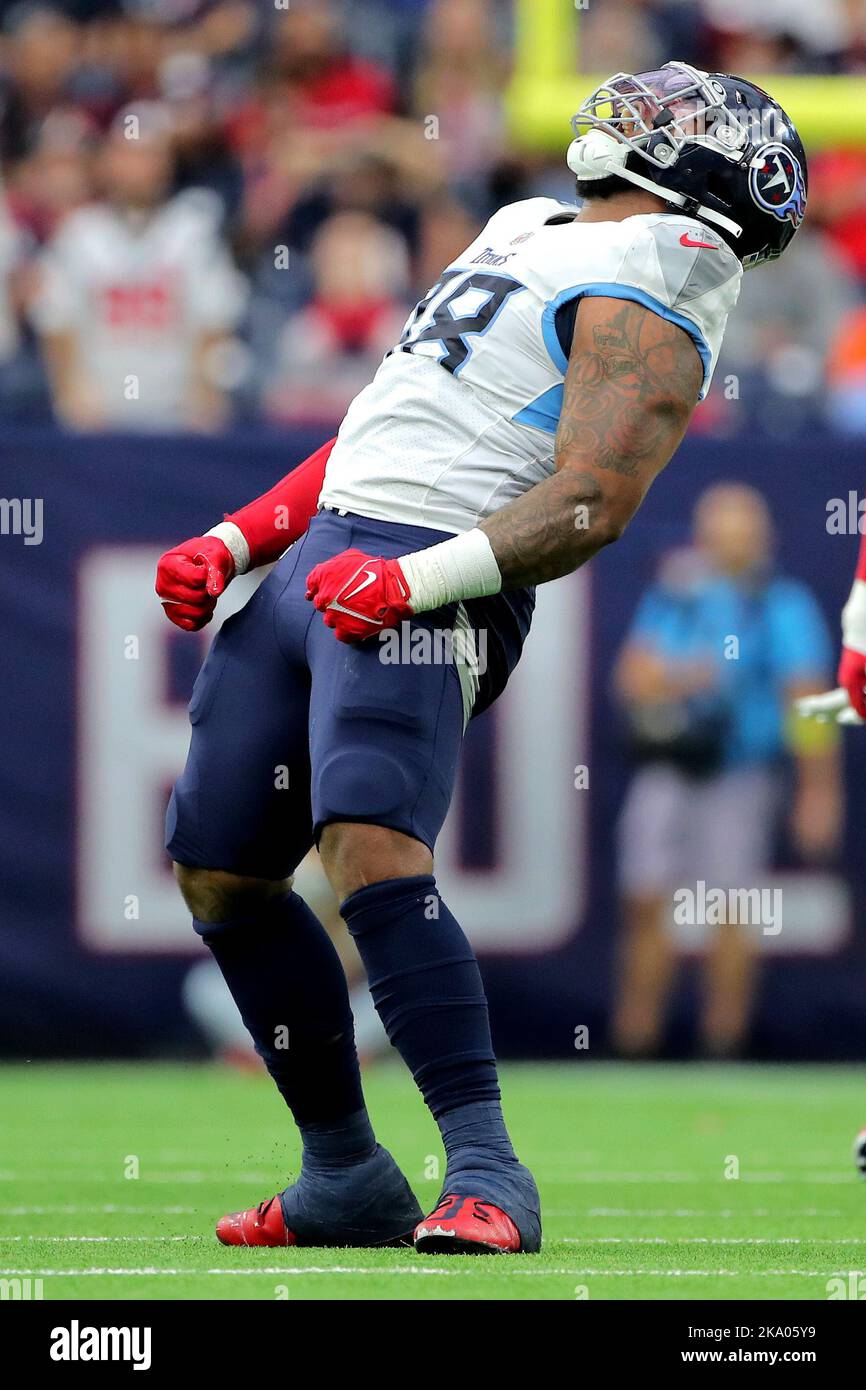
x=714, y=146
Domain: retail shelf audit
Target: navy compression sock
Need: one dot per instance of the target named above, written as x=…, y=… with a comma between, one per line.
x=427, y=989
x=285, y=976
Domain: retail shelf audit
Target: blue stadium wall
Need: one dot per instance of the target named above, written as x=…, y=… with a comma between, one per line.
x=94, y=943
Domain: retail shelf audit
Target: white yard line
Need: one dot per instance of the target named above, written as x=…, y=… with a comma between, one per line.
x=59, y=1240
x=709, y=1240
x=298, y=1270
x=655, y=1212
x=109, y=1209
x=468, y=1270
x=760, y=1177
x=707, y=1273
x=185, y=1175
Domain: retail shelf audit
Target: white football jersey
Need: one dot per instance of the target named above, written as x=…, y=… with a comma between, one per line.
x=139, y=294
x=461, y=417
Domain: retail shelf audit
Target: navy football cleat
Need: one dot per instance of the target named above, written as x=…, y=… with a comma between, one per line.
x=367, y=1204
x=487, y=1208
x=466, y=1226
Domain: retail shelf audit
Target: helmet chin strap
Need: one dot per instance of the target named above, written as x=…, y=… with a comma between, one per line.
x=597, y=155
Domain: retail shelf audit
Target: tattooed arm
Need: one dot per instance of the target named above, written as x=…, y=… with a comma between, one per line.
x=632, y=383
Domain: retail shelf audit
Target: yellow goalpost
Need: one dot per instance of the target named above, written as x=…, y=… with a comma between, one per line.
x=548, y=85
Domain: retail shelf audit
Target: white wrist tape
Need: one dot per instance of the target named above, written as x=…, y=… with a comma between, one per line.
x=854, y=618
x=464, y=567
x=235, y=541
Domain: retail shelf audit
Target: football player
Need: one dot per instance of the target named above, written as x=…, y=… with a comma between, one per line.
x=538, y=389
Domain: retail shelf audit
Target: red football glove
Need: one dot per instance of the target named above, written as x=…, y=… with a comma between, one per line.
x=359, y=595
x=190, y=579
x=852, y=675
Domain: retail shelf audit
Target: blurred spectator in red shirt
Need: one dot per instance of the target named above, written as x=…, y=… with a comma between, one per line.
x=837, y=202
x=309, y=76
x=326, y=86
x=312, y=97
x=332, y=348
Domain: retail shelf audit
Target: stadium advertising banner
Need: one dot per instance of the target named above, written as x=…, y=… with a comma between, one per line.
x=95, y=704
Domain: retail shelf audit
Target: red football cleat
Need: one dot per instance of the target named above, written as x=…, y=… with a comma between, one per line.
x=467, y=1226
x=261, y=1225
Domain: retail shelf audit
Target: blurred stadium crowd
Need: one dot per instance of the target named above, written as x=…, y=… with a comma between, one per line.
x=238, y=201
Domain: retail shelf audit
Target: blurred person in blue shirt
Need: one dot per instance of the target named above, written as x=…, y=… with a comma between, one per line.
x=719, y=648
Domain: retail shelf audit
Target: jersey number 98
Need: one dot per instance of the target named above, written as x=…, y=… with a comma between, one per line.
x=450, y=322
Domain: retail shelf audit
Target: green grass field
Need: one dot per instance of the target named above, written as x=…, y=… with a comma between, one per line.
x=631, y=1162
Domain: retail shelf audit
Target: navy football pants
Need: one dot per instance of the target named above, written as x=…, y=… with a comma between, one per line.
x=292, y=729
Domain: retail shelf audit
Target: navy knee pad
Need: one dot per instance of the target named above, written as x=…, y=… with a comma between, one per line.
x=362, y=782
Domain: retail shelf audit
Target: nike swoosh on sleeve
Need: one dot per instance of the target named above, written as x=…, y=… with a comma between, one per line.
x=685, y=240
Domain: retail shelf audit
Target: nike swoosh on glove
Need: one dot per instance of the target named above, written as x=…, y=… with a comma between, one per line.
x=190, y=579
x=852, y=675
x=359, y=595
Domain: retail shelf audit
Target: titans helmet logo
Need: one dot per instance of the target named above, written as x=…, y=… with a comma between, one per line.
x=777, y=185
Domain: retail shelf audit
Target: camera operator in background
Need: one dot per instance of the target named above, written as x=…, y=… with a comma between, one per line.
x=720, y=647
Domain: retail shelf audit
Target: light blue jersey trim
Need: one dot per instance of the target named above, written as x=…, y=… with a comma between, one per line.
x=617, y=291
x=544, y=412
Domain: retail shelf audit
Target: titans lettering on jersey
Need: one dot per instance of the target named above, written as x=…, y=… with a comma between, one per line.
x=461, y=416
